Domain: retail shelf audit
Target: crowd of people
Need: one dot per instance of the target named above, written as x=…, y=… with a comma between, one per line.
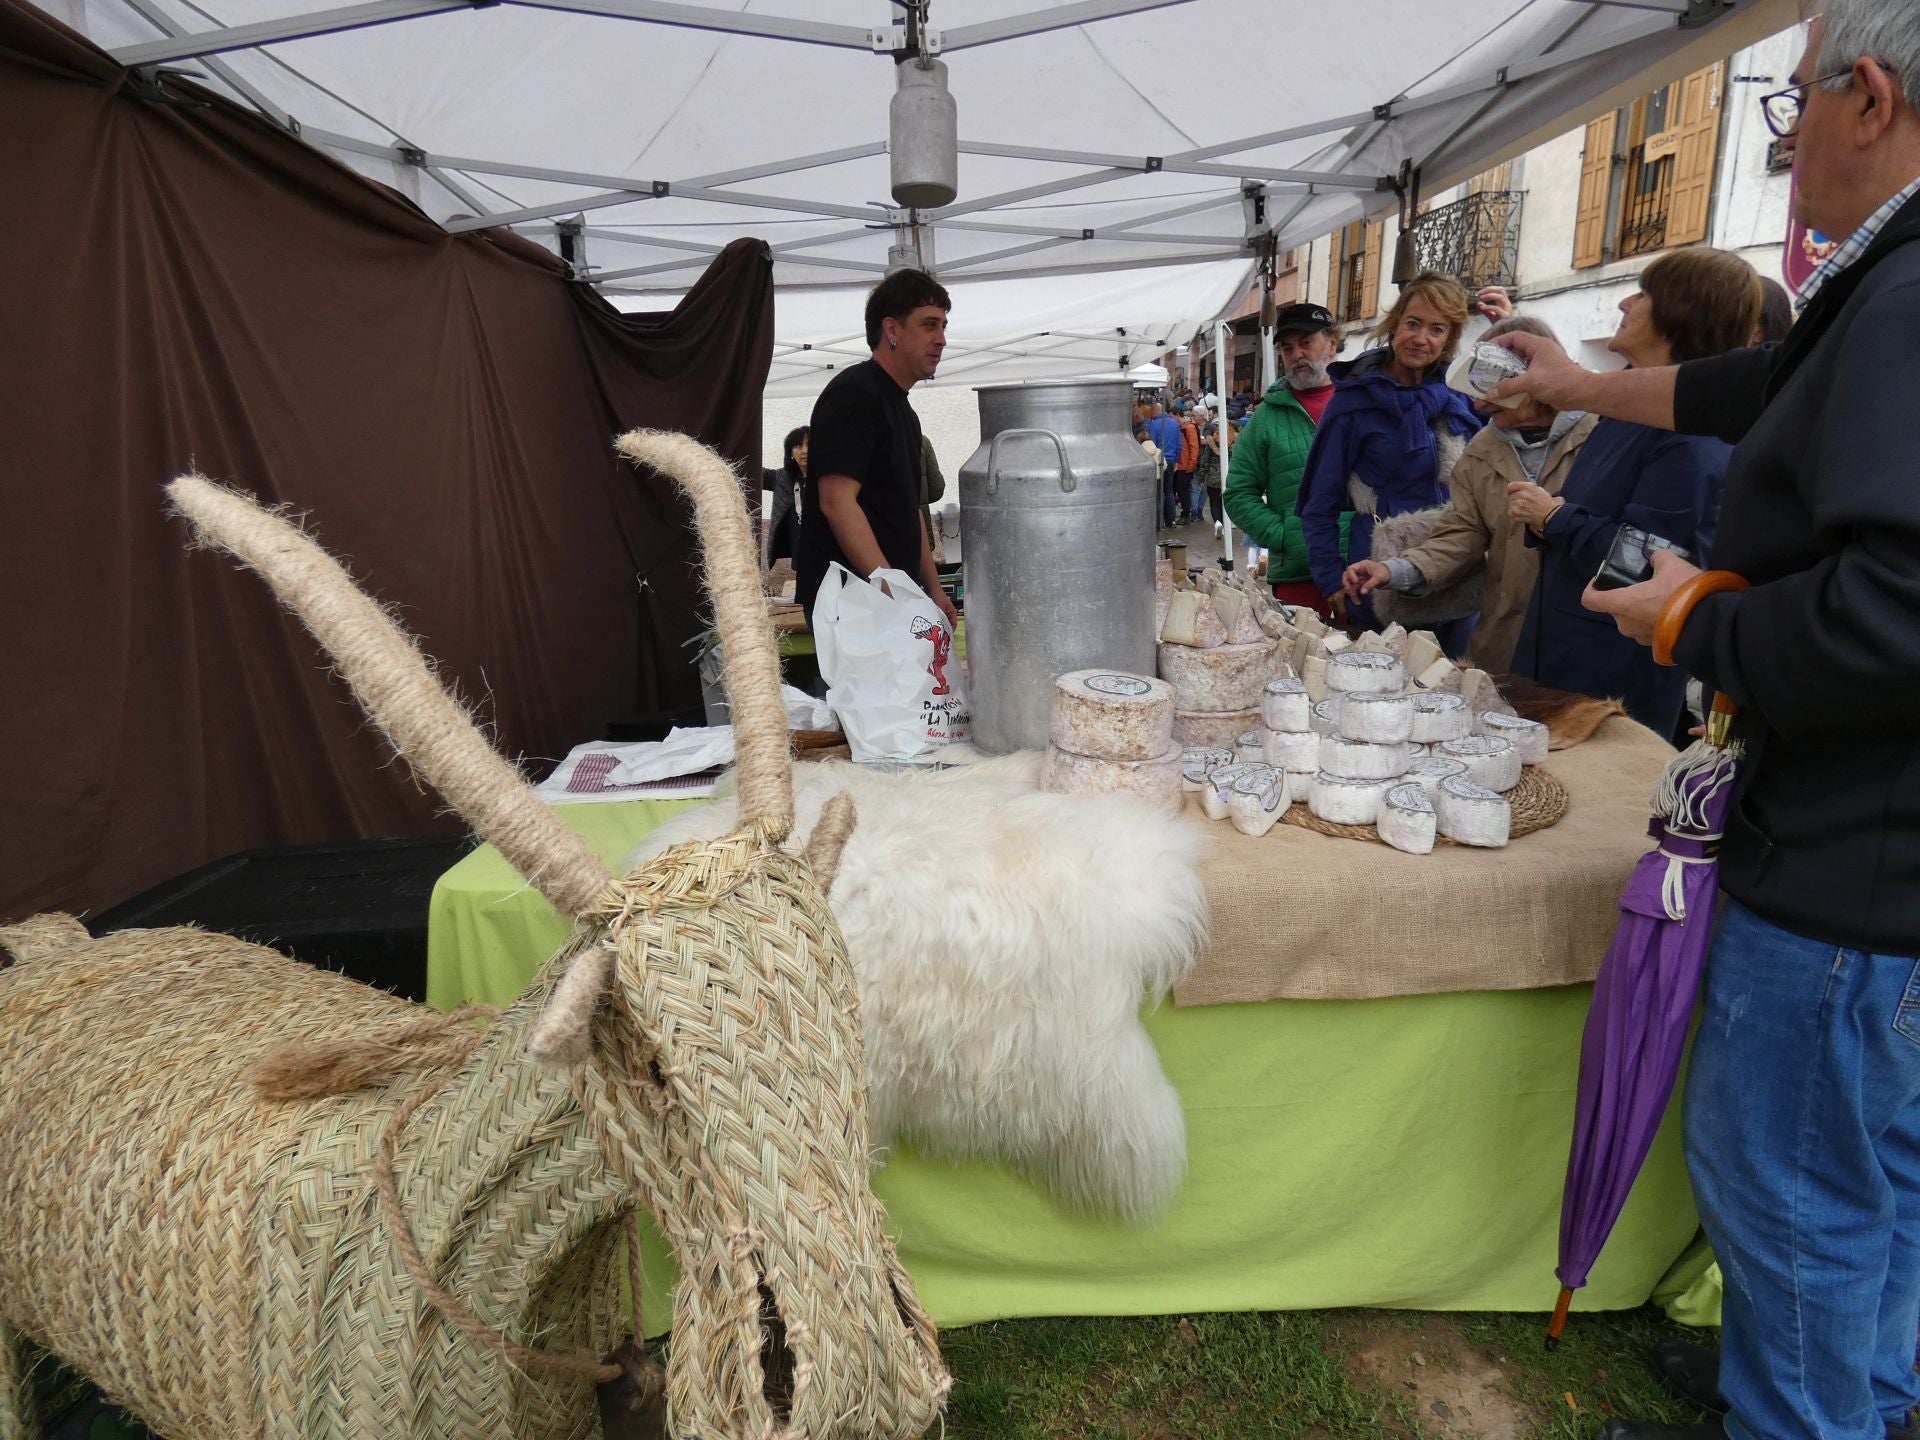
x=1382, y=493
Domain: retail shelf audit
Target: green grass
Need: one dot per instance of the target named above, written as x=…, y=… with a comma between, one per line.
x=1250, y=1377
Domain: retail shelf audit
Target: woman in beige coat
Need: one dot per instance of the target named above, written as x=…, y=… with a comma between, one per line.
x=1471, y=555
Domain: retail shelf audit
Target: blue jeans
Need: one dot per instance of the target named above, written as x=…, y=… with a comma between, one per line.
x=1803, y=1142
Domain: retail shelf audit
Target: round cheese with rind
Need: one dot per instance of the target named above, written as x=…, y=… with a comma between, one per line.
x=1345, y=801
x=1490, y=760
x=1365, y=670
x=1293, y=750
x=1440, y=716
x=1529, y=737
x=1205, y=727
x=1360, y=759
x=1251, y=745
x=1112, y=715
x=1472, y=814
x=1407, y=818
x=1323, y=716
x=1430, y=770
x=1156, y=780
x=1257, y=801
x=1199, y=761
x=1383, y=718
x=1224, y=677
x=1213, y=795
x=1284, y=704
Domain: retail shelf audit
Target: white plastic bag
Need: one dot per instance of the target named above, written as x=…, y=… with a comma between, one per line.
x=889, y=665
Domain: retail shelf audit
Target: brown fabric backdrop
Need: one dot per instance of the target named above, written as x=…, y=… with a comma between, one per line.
x=188, y=286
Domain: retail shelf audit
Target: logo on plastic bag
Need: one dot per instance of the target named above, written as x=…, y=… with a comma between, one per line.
x=942, y=639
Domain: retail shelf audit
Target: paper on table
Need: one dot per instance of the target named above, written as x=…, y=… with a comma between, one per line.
x=684, y=752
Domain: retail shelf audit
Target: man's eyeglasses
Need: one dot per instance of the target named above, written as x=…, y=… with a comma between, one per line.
x=1782, y=108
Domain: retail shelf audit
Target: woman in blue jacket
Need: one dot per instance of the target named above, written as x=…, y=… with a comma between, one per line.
x=1388, y=439
x=1691, y=303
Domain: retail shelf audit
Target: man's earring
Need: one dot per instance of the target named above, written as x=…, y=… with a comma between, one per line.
x=893, y=344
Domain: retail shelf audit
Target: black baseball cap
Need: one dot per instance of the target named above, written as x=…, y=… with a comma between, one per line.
x=1304, y=315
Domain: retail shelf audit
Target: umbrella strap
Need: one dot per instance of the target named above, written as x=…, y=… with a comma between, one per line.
x=1673, y=894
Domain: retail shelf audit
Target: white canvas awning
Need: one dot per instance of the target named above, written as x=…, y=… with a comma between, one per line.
x=1124, y=144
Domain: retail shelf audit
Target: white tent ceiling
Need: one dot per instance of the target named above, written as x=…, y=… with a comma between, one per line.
x=1098, y=137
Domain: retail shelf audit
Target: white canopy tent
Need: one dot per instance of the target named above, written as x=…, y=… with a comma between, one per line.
x=1121, y=161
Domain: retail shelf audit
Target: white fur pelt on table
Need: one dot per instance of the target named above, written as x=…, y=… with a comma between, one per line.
x=1004, y=941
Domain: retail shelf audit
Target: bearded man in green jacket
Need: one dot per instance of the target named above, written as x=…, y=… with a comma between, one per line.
x=1268, y=456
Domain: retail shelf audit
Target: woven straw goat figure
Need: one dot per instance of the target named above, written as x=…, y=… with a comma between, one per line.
x=419, y=1237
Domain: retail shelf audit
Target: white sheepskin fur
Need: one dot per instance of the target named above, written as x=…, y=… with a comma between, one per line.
x=1004, y=941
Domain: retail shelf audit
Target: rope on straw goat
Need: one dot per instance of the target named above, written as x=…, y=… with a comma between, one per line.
x=396, y=685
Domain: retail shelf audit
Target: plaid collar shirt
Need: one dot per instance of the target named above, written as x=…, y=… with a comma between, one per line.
x=1855, y=245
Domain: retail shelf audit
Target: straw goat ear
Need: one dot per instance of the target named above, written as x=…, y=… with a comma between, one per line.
x=563, y=1035
x=829, y=840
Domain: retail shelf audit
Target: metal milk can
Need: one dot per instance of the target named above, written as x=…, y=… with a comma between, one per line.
x=1058, y=507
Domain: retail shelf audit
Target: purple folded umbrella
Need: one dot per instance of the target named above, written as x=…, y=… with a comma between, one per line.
x=1642, y=1004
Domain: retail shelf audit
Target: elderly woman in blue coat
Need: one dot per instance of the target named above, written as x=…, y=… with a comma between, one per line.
x=1691, y=303
x=1388, y=439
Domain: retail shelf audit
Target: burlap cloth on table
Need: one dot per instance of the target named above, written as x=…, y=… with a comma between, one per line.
x=1300, y=916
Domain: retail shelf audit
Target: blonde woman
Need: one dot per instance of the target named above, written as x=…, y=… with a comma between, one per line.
x=1388, y=440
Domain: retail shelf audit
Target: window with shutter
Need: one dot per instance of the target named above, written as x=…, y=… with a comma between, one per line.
x=1590, y=215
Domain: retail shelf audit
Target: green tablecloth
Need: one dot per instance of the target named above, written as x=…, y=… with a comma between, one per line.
x=1401, y=1152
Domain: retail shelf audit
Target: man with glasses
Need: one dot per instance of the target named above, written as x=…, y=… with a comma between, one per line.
x=1803, y=1100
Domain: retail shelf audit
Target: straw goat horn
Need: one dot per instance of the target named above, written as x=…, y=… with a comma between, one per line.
x=740, y=614
x=397, y=688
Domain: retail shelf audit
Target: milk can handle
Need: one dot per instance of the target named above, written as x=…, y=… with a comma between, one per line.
x=1067, y=482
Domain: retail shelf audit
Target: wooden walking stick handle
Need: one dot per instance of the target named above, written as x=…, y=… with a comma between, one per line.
x=1673, y=615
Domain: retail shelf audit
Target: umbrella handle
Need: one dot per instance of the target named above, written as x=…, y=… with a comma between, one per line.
x=1673, y=615
x=1559, y=1321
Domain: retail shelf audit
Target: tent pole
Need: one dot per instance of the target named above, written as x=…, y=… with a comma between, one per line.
x=1222, y=384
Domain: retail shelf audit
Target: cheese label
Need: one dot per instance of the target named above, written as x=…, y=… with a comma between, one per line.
x=1118, y=685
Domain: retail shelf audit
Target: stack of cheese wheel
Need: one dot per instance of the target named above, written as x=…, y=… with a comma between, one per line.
x=1292, y=746
x=1216, y=657
x=1111, y=732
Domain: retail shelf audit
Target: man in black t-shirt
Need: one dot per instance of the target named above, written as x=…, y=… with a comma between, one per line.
x=862, y=489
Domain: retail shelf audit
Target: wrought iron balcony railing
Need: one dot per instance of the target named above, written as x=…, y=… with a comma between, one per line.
x=1475, y=240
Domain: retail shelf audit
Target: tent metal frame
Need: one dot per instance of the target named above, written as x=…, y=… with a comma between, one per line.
x=1344, y=171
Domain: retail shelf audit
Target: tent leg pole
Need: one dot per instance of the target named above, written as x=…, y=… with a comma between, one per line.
x=1222, y=382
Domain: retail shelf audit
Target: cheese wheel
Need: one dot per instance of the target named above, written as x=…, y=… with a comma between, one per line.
x=1360, y=759
x=1199, y=761
x=1257, y=801
x=1204, y=727
x=1472, y=814
x=1284, y=704
x=1156, y=780
x=1407, y=818
x=1219, y=785
x=1300, y=786
x=1111, y=715
x=1490, y=760
x=1529, y=737
x=1440, y=717
x=1223, y=677
x=1371, y=715
x=1345, y=801
x=1431, y=770
x=1251, y=745
x=1365, y=670
x=1323, y=716
x=1293, y=750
